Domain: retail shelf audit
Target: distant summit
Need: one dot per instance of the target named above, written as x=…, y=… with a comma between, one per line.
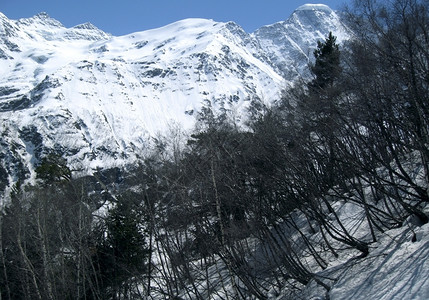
x=86, y=25
x=40, y=19
x=313, y=7
x=42, y=15
x=289, y=43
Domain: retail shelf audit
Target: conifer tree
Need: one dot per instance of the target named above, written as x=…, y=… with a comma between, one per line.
x=327, y=65
x=53, y=168
x=124, y=251
x=317, y=105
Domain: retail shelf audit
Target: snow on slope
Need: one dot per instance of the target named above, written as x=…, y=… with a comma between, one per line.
x=290, y=43
x=97, y=99
x=395, y=269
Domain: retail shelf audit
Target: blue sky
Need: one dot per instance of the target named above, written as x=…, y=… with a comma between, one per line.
x=120, y=17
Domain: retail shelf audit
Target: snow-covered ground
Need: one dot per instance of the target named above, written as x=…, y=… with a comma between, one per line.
x=397, y=268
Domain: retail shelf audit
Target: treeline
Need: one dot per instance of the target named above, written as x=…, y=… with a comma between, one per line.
x=243, y=212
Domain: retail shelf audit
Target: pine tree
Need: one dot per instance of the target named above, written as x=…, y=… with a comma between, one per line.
x=317, y=110
x=123, y=252
x=327, y=66
x=53, y=168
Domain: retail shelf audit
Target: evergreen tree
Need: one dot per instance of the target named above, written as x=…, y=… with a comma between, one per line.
x=123, y=252
x=53, y=168
x=318, y=110
x=317, y=105
x=327, y=65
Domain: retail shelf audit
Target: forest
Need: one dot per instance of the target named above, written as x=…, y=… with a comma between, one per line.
x=243, y=211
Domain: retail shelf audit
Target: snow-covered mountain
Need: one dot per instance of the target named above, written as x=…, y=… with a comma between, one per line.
x=289, y=44
x=96, y=99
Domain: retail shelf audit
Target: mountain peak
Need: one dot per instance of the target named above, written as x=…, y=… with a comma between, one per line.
x=313, y=17
x=314, y=7
x=41, y=18
x=86, y=31
x=294, y=39
x=186, y=24
x=44, y=18
x=42, y=15
x=86, y=25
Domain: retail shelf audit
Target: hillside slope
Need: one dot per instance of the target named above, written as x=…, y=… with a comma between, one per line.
x=97, y=99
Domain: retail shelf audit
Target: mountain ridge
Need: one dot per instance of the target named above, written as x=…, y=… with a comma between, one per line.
x=98, y=99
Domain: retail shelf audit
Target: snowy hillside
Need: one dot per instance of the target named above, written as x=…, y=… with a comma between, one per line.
x=396, y=268
x=325, y=198
x=290, y=43
x=97, y=99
